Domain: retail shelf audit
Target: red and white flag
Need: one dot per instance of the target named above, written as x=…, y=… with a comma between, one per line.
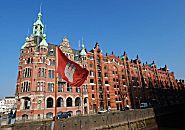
x=70, y=71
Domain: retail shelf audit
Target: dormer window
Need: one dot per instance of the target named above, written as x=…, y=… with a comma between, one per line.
x=51, y=52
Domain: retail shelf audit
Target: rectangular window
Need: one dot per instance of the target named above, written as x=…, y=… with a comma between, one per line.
x=99, y=74
x=27, y=72
x=92, y=87
x=92, y=95
x=105, y=75
x=98, y=67
x=51, y=62
x=69, y=88
x=50, y=87
x=106, y=82
x=98, y=59
x=43, y=72
x=40, y=86
x=91, y=80
x=100, y=89
x=91, y=57
x=85, y=88
x=78, y=89
x=91, y=73
x=29, y=60
x=123, y=76
x=60, y=87
x=42, y=59
x=39, y=72
x=101, y=97
x=26, y=86
x=51, y=74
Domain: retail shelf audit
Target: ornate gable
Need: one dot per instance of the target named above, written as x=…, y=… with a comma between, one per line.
x=65, y=46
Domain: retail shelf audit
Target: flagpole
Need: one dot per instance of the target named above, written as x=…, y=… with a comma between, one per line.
x=56, y=65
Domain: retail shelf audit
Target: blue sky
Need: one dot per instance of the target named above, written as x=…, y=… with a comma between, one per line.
x=153, y=29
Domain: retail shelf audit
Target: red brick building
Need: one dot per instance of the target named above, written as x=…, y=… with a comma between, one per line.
x=113, y=82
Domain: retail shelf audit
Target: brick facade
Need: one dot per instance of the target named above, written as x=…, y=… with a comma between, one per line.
x=113, y=82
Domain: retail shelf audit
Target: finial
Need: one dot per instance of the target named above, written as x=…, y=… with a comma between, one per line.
x=65, y=39
x=82, y=40
x=40, y=7
x=83, y=46
x=124, y=53
x=137, y=57
x=40, y=14
x=97, y=45
x=27, y=38
x=83, y=43
x=79, y=44
x=28, y=32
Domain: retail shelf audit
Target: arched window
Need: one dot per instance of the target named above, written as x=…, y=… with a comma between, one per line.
x=60, y=102
x=127, y=102
x=27, y=103
x=71, y=113
x=24, y=117
x=49, y=102
x=59, y=113
x=69, y=102
x=38, y=117
x=49, y=115
x=85, y=100
x=78, y=112
x=77, y=101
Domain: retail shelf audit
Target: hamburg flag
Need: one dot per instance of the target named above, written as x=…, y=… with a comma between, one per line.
x=70, y=71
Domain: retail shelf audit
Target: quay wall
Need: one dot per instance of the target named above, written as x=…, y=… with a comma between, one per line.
x=127, y=120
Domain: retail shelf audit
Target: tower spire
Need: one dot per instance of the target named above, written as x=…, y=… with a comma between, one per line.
x=38, y=27
x=83, y=51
